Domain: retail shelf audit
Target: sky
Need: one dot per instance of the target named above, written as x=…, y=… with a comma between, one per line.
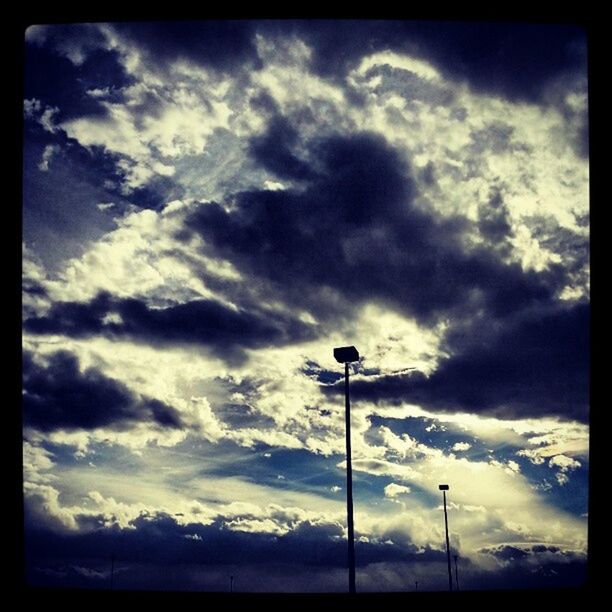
x=209, y=208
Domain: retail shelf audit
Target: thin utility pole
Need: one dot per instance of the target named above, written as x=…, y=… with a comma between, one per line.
x=450, y=573
x=349, y=484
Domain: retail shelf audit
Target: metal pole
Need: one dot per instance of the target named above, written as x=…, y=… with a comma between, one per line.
x=450, y=574
x=456, y=573
x=349, y=485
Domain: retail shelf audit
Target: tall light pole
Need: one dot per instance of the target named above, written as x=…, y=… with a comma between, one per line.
x=346, y=355
x=444, y=489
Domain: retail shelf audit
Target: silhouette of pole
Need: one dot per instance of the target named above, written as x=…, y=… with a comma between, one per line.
x=444, y=489
x=456, y=573
x=231, y=584
x=349, y=484
x=346, y=355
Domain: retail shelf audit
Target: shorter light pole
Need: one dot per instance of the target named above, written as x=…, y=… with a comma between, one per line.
x=456, y=572
x=444, y=488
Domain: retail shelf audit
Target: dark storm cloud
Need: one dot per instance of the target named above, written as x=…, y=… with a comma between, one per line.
x=534, y=367
x=528, y=566
x=353, y=229
x=33, y=288
x=526, y=554
x=160, y=539
x=505, y=552
x=515, y=60
x=57, y=82
x=494, y=222
x=60, y=396
x=493, y=219
x=204, y=322
x=222, y=44
x=148, y=555
x=273, y=151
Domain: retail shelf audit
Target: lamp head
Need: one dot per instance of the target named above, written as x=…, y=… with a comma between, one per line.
x=346, y=354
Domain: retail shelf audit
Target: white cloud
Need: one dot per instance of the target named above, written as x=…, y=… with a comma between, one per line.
x=188, y=111
x=564, y=463
x=510, y=467
x=532, y=455
x=533, y=152
x=193, y=536
x=562, y=440
x=37, y=461
x=486, y=503
x=274, y=185
x=461, y=446
x=286, y=77
x=33, y=273
x=392, y=490
x=48, y=152
x=140, y=258
x=42, y=502
x=421, y=68
x=513, y=466
x=44, y=115
x=562, y=478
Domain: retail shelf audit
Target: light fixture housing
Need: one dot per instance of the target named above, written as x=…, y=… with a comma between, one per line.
x=346, y=354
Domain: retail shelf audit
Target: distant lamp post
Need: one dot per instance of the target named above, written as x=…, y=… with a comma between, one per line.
x=444, y=489
x=346, y=355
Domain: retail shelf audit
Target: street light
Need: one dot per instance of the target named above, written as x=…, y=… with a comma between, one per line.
x=346, y=355
x=444, y=489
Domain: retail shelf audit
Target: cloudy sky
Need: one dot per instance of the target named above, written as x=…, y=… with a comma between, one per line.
x=210, y=208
